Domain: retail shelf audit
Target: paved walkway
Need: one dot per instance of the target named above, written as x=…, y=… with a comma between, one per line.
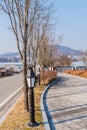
x=66, y=103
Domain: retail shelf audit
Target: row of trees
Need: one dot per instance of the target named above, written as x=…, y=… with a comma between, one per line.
x=64, y=60
x=31, y=25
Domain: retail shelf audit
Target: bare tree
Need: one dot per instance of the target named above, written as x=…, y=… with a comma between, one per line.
x=64, y=60
x=18, y=13
x=40, y=32
x=23, y=15
x=83, y=58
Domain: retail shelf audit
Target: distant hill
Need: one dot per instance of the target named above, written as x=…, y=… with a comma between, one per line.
x=61, y=49
x=68, y=51
x=9, y=54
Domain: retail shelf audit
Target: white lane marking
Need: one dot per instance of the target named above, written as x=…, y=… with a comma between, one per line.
x=10, y=97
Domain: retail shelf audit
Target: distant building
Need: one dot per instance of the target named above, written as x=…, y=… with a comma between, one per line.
x=10, y=59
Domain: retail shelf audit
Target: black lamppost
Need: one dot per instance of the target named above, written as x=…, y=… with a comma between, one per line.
x=31, y=83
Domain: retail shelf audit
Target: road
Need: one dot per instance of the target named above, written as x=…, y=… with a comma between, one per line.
x=66, y=103
x=9, y=85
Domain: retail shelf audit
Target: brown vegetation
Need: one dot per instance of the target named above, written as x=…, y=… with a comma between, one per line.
x=48, y=76
x=82, y=73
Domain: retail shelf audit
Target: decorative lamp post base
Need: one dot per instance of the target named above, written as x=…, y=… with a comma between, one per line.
x=34, y=124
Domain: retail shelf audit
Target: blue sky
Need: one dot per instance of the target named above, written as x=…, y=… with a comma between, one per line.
x=72, y=24
x=7, y=40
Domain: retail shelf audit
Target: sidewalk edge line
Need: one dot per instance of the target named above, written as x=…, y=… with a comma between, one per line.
x=47, y=123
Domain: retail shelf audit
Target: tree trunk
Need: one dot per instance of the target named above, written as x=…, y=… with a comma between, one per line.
x=25, y=80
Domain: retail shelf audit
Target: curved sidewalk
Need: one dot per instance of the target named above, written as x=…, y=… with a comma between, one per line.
x=66, y=103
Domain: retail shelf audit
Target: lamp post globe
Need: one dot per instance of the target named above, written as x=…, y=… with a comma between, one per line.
x=30, y=77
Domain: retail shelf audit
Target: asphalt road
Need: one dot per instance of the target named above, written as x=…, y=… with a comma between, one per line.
x=9, y=85
x=66, y=103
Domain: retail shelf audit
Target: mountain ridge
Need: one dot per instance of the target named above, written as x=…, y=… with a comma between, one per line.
x=68, y=51
x=9, y=54
x=61, y=49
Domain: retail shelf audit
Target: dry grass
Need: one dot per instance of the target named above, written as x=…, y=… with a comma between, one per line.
x=18, y=118
x=82, y=73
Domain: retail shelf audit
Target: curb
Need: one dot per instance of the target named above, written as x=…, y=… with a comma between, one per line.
x=47, y=123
